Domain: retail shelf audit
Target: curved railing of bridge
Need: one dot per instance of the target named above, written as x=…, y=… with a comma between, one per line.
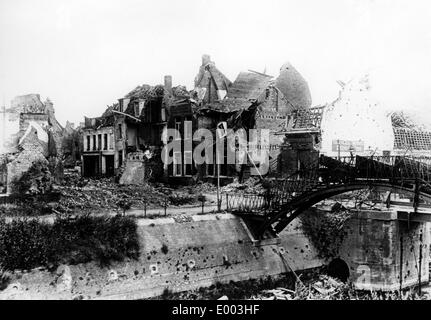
x=328, y=172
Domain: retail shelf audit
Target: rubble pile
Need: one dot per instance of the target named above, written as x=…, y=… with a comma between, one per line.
x=251, y=185
x=37, y=180
x=91, y=195
x=146, y=92
x=323, y=288
x=328, y=288
x=180, y=91
x=202, y=187
x=99, y=195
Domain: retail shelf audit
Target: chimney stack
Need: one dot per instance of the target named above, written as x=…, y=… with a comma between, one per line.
x=168, y=84
x=206, y=59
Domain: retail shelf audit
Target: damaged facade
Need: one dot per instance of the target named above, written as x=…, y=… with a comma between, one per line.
x=352, y=122
x=30, y=134
x=253, y=101
x=127, y=139
x=132, y=130
x=98, y=142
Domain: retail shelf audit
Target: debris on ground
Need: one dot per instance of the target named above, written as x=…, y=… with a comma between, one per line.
x=182, y=218
x=99, y=195
x=323, y=288
x=250, y=186
x=80, y=195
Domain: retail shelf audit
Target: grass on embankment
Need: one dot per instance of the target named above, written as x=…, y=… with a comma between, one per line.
x=27, y=244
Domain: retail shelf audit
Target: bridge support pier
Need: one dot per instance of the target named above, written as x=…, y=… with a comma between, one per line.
x=384, y=252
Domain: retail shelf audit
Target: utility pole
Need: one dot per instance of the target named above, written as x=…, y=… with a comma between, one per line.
x=218, y=183
x=221, y=132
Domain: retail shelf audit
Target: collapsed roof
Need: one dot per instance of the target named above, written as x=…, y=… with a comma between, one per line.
x=28, y=103
x=409, y=135
x=105, y=120
x=410, y=139
x=146, y=92
x=249, y=85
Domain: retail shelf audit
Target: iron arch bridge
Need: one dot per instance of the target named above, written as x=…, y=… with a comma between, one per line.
x=285, y=199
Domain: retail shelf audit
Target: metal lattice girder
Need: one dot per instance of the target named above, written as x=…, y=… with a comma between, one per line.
x=330, y=176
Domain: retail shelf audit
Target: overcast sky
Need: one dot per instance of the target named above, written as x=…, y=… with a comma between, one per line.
x=84, y=55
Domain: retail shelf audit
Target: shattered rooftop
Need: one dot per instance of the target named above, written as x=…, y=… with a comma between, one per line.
x=249, y=85
x=408, y=134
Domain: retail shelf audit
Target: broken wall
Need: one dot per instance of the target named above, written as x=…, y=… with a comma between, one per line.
x=21, y=164
x=357, y=115
x=178, y=254
x=297, y=152
x=135, y=171
x=379, y=248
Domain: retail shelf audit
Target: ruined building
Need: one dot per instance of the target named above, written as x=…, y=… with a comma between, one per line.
x=129, y=136
x=353, y=121
x=30, y=134
x=98, y=154
x=253, y=101
x=72, y=145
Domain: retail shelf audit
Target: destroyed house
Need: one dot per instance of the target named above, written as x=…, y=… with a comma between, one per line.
x=253, y=101
x=30, y=133
x=302, y=141
x=98, y=155
x=149, y=111
x=210, y=83
x=181, y=117
x=72, y=145
x=135, y=127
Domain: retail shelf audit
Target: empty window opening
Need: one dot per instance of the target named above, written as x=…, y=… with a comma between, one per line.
x=188, y=163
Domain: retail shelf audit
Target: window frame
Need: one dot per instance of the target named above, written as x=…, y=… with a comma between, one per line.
x=188, y=164
x=177, y=165
x=177, y=129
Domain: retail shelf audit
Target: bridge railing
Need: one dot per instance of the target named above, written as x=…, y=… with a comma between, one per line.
x=249, y=203
x=329, y=171
x=373, y=168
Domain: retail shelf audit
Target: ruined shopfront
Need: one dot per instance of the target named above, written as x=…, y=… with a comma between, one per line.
x=98, y=155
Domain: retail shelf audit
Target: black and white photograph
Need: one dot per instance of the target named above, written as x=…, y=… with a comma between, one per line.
x=242, y=153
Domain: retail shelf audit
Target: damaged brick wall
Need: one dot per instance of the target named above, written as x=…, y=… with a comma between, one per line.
x=35, y=137
x=297, y=152
x=21, y=164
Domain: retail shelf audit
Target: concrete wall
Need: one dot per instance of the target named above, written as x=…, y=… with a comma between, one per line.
x=188, y=253
x=377, y=244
